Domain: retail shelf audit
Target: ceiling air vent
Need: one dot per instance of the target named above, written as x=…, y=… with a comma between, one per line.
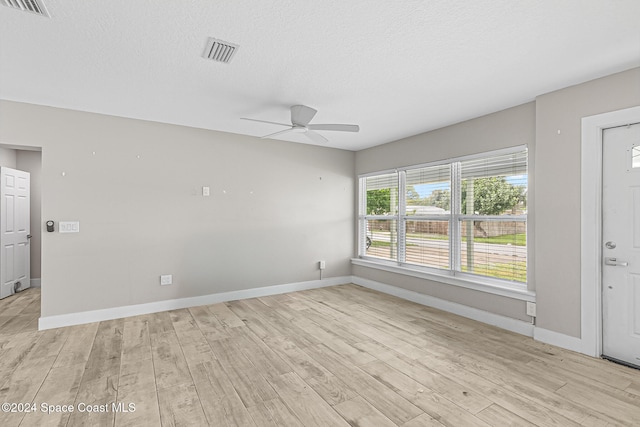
x=220, y=51
x=33, y=6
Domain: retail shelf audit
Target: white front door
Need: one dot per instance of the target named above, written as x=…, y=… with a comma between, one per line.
x=14, y=230
x=621, y=244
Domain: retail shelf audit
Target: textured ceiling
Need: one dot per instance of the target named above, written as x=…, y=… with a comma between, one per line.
x=396, y=68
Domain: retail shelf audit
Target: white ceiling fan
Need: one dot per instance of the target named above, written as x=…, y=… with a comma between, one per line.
x=301, y=115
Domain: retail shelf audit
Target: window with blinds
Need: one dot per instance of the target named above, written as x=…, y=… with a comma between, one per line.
x=427, y=221
x=493, y=220
x=464, y=217
x=379, y=223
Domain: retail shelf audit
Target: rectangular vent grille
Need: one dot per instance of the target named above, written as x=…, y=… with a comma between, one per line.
x=220, y=51
x=34, y=6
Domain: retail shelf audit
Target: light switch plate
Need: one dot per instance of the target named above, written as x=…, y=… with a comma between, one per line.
x=206, y=191
x=69, y=226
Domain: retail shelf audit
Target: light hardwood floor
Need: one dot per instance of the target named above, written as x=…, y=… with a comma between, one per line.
x=339, y=356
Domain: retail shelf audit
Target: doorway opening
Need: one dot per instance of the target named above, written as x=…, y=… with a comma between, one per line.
x=29, y=160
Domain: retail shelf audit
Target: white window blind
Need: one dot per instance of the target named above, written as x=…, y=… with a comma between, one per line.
x=379, y=216
x=492, y=220
x=506, y=165
x=464, y=217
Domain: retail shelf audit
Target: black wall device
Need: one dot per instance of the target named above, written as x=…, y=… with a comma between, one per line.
x=49, y=226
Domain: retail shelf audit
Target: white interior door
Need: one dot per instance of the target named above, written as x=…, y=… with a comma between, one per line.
x=14, y=230
x=621, y=244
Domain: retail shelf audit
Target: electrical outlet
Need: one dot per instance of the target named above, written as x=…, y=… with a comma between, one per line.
x=531, y=309
x=166, y=279
x=205, y=191
x=323, y=265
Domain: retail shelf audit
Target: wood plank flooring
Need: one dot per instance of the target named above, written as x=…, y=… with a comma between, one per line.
x=337, y=356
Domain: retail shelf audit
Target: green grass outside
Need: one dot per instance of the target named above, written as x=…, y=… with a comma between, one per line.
x=516, y=271
x=383, y=244
x=514, y=239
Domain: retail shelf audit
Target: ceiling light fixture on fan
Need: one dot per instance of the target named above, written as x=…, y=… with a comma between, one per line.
x=301, y=115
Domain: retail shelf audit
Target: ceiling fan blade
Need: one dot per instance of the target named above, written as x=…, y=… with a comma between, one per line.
x=271, y=135
x=316, y=137
x=302, y=115
x=264, y=121
x=343, y=128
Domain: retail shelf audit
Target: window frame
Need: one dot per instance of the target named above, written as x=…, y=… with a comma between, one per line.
x=362, y=209
x=454, y=274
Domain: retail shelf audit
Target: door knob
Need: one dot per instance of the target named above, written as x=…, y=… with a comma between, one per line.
x=610, y=245
x=615, y=262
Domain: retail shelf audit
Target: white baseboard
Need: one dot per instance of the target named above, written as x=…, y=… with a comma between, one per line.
x=50, y=322
x=559, y=340
x=524, y=328
x=35, y=283
x=513, y=325
x=500, y=321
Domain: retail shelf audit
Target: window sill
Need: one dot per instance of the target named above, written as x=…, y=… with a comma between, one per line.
x=477, y=284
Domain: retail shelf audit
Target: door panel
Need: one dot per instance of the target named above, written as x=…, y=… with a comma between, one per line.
x=14, y=230
x=621, y=244
x=635, y=302
x=7, y=265
x=8, y=212
x=22, y=255
x=636, y=218
x=21, y=220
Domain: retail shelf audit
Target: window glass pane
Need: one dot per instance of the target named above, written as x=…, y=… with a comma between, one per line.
x=635, y=157
x=429, y=190
x=495, y=185
x=488, y=188
x=382, y=194
x=382, y=238
x=427, y=243
x=494, y=249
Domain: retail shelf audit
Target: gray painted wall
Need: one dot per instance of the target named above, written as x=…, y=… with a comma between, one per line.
x=275, y=209
x=557, y=205
x=497, y=304
x=8, y=157
x=507, y=128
